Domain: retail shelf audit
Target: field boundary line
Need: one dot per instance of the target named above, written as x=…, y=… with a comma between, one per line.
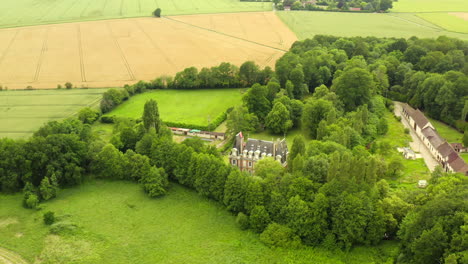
x=122, y=55
x=41, y=55
x=435, y=27
x=9, y=46
x=443, y=29
x=154, y=44
x=80, y=51
x=224, y=34
x=281, y=42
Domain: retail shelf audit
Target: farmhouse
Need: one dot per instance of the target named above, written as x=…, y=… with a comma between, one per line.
x=441, y=150
x=245, y=154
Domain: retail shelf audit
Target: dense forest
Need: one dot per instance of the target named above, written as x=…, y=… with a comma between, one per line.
x=334, y=192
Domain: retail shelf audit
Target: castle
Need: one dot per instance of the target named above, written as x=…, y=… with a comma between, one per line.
x=245, y=154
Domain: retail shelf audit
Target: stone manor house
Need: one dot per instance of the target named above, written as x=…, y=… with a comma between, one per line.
x=446, y=154
x=245, y=154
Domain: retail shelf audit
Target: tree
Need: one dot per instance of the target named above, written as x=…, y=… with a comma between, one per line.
x=49, y=218
x=465, y=138
x=276, y=235
x=259, y=219
x=298, y=147
x=278, y=120
x=242, y=220
x=48, y=189
x=254, y=195
x=234, y=191
x=155, y=183
x=157, y=12
x=151, y=115
x=249, y=73
x=298, y=216
x=110, y=163
x=239, y=119
x=386, y=4
x=314, y=112
x=256, y=101
x=88, y=115
x=354, y=87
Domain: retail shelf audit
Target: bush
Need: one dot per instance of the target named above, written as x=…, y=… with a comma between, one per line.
x=59, y=86
x=68, y=85
x=31, y=201
x=107, y=119
x=49, y=218
x=259, y=219
x=29, y=88
x=62, y=228
x=157, y=12
x=407, y=130
x=276, y=235
x=88, y=115
x=243, y=221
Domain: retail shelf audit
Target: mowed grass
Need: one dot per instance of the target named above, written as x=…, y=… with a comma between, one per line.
x=33, y=12
x=118, y=223
x=448, y=21
x=309, y=24
x=23, y=112
x=195, y=107
x=447, y=132
x=429, y=5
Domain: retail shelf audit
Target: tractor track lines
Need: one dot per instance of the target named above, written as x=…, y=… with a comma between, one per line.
x=121, y=52
x=41, y=55
x=80, y=51
x=9, y=46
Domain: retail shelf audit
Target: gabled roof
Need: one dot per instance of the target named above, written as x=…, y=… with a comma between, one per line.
x=445, y=149
x=434, y=138
x=459, y=165
x=420, y=119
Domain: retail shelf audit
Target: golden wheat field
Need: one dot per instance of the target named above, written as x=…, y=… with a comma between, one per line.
x=117, y=52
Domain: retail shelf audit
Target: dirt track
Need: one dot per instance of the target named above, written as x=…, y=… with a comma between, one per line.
x=117, y=52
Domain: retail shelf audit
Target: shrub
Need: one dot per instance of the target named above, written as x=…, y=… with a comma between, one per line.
x=107, y=119
x=88, y=115
x=68, y=85
x=407, y=130
x=32, y=201
x=157, y=12
x=49, y=218
x=59, y=86
x=259, y=219
x=29, y=88
x=276, y=235
x=243, y=221
x=62, y=228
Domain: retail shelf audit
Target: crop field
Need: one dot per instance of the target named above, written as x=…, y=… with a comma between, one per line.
x=23, y=112
x=33, y=12
x=455, y=22
x=429, y=6
x=117, y=52
x=117, y=223
x=308, y=24
x=197, y=107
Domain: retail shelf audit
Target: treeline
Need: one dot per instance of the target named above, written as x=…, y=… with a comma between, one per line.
x=429, y=74
x=337, y=5
x=225, y=75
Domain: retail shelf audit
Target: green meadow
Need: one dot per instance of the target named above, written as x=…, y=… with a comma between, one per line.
x=196, y=107
x=447, y=132
x=430, y=6
x=308, y=24
x=33, y=12
x=22, y=112
x=115, y=222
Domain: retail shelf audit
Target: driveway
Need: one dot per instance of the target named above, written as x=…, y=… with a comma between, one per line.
x=417, y=145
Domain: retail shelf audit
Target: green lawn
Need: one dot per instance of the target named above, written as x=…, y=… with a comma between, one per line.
x=23, y=112
x=429, y=6
x=266, y=135
x=464, y=156
x=34, y=12
x=308, y=24
x=196, y=107
x=449, y=133
x=118, y=223
x=447, y=21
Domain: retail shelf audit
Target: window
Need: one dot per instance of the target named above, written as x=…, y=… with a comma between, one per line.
x=250, y=164
x=234, y=162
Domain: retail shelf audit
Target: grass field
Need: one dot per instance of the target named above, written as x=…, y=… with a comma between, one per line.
x=448, y=21
x=429, y=6
x=33, y=12
x=308, y=24
x=23, y=112
x=118, y=52
x=118, y=223
x=449, y=133
x=196, y=107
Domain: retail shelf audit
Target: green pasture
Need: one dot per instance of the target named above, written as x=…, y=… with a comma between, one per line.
x=307, y=24
x=447, y=132
x=117, y=223
x=22, y=112
x=34, y=12
x=195, y=107
x=430, y=6
x=446, y=21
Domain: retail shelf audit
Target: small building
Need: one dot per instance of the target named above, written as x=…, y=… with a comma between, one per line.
x=354, y=9
x=458, y=147
x=198, y=133
x=244, y=155
x=409, y=153
x=422, y=184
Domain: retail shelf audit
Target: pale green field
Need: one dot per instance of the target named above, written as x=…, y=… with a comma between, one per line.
x=195, y=107
x=430, y=6
x=22, y=112
x=118, y=223
x=308, y=24
x=447, y=21
x=33, y=12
